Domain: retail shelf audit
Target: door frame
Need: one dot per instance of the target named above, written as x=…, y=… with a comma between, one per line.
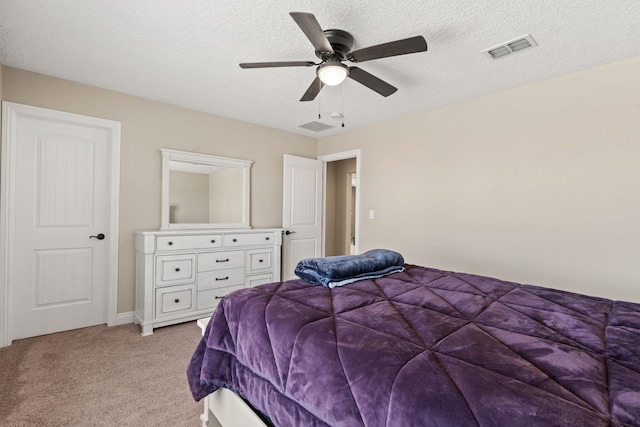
x=10, y=114
x=352, y=154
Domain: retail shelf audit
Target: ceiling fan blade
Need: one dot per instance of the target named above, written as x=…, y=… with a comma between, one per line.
x=313, y=90
x=371, y=81
x=277, y=64
x=310, y=27
x=398, y=47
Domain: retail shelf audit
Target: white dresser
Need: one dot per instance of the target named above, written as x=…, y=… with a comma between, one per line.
x=181, y=275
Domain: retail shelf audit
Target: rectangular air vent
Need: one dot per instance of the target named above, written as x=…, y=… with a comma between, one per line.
x=316, y=126
x=510, y=47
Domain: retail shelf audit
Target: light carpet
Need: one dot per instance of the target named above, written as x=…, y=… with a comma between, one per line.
x=100, y=376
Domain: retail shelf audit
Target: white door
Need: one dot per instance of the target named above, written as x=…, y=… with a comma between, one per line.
x=301, y=212
x=62, y=234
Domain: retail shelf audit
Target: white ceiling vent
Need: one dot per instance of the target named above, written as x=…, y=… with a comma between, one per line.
x=316, y=126
x=510, y=47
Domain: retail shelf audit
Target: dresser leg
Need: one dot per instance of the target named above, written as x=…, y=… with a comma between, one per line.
x=147, y=330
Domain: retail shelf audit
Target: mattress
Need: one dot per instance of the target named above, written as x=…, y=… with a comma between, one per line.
x=424, y=347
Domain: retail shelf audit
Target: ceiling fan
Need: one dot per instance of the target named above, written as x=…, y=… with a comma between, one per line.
x=333, y=47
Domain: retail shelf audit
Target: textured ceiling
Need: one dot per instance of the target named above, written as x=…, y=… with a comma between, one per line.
x=187, y=53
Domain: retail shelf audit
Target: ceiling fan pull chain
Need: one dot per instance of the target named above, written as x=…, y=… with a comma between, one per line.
x=343, y=104
x=319, y=98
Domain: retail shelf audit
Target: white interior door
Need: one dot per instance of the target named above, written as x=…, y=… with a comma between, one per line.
x=61, y=243
x=301, y=212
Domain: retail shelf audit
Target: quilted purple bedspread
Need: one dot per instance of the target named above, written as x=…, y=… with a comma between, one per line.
x=424, y=348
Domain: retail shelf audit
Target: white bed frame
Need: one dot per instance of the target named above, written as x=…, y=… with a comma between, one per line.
x=224, y=408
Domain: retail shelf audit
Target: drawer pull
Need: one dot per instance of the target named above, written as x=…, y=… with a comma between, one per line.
x=267, y=238
x=222, y=278
x=222, y=260
x=217, y=297
x=170, y=243
x=260, y=260
x=177, y=269
x=177, y=300
x=235, y=240
x=213, y=241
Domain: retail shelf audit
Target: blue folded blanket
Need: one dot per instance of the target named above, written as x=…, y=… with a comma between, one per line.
x=340, y=270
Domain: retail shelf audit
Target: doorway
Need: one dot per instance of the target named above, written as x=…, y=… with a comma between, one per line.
x=341, y=223
x=341, y=192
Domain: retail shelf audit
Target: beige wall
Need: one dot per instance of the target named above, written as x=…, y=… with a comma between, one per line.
x=148, y=126
x=1, y=69
x=539, y=184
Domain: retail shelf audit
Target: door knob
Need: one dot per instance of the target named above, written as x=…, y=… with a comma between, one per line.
x=289, y=232
x=99, y=237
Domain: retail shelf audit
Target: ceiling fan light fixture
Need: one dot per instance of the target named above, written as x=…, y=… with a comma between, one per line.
x=332, y=73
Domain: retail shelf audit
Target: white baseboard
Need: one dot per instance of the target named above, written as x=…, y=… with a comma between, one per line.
x=124, y=318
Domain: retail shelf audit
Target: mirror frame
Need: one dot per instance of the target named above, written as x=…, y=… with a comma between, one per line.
x=170, y=157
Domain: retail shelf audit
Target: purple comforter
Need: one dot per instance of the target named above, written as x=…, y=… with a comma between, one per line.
x=424, y=348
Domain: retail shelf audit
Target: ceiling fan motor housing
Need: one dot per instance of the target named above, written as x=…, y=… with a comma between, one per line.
x=341, y=42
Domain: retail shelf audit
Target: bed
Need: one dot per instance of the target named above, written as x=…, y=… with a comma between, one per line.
x=423, y=347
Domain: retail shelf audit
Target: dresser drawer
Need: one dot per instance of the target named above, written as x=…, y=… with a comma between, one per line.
x=176, y=243
x=211, y=298
x=220, y=278
x=242, y=239
x=258, y=279
x=211, y=261
x=259, y=260
x=174, y=300
x=172, y=269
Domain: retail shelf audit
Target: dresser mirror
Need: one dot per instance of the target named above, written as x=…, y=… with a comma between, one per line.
x=204, y=191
